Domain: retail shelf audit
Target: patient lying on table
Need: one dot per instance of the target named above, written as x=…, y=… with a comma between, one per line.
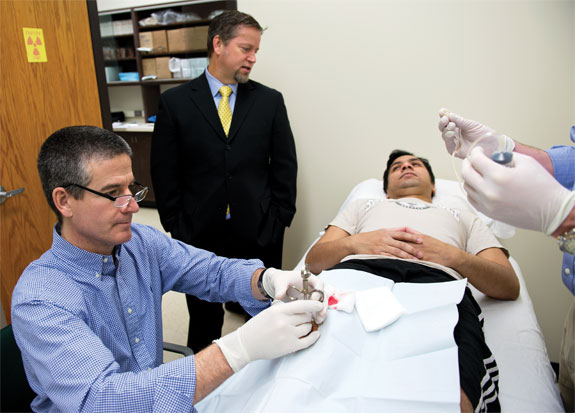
x=407, y=239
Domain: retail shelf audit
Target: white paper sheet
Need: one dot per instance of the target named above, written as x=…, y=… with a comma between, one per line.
x=411, y=365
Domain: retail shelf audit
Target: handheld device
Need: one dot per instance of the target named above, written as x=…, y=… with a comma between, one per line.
x=503, y=158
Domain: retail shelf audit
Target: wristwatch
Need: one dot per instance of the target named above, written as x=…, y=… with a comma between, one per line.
x=567, y=242
x=260, y=285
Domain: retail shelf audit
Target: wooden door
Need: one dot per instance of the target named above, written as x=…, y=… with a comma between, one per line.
x=36, y=99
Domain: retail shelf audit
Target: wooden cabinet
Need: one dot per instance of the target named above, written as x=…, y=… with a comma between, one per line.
x=141, y=144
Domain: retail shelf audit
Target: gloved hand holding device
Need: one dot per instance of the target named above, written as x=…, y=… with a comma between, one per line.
x=277, y=282
x=526, y=196
x=460, y=134
x=281, y=329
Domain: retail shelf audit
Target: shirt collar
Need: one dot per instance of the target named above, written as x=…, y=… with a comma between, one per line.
x=410, y=199
x=215, y=84
x=95, y=265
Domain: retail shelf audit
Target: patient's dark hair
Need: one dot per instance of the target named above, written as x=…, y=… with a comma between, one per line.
x=64, y=157
x=398, y=153
x=226, y=24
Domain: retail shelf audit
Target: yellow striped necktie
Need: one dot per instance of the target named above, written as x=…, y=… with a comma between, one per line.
x=224, y=110
x=225, y=114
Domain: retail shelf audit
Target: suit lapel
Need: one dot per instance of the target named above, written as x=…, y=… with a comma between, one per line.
x=201, y=95
x=244, y=101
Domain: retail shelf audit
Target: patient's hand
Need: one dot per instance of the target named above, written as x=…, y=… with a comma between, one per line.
x=489, y=271
x=337, y=243
x=434, y=250
x=394, y=242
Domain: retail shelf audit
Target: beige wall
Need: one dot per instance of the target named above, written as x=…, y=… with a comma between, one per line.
x=363, y=77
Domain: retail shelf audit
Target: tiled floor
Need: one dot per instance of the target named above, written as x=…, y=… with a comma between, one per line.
x=175, y=312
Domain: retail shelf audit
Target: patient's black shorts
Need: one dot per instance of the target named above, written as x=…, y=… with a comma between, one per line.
x=478, y=372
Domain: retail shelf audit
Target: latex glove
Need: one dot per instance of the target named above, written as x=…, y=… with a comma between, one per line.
x=281, y=329
x=526, y=195
x=277, y=282
x=460, y=134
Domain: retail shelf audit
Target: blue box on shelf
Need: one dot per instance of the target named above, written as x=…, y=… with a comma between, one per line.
x=129, y=76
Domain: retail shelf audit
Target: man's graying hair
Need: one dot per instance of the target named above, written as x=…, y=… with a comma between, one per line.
x=64, y=157
x=226, y=24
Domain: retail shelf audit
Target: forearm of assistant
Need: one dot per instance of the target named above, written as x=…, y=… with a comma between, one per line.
x=539, y=155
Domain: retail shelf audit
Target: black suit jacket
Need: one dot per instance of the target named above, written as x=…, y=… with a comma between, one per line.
x=197, y=171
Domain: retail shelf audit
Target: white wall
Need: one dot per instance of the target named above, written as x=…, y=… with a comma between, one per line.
x=363, y=77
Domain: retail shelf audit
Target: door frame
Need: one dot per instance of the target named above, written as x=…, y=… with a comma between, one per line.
x=99, y=64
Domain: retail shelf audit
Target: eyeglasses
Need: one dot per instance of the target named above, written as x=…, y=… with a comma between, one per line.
x=120, y=201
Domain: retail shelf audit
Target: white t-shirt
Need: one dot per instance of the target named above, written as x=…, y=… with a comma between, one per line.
x=461, y=229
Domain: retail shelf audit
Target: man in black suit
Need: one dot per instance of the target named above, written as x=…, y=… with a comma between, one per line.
x=229, y=189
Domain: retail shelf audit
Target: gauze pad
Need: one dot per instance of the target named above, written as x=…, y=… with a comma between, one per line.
x=377, y=308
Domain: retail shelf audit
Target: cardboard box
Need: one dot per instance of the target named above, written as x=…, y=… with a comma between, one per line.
x=179, y=39
x=149, y=67
x=158, y=66
x=187, y=39
x=155, y=40
x=201, y=37
x=163, y=68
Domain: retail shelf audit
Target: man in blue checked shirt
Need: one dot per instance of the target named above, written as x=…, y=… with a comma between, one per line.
x=87, y=314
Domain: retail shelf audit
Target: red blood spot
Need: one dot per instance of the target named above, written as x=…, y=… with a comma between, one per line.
x=332, y=300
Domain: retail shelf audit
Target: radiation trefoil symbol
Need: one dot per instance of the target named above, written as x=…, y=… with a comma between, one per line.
x=35, y=45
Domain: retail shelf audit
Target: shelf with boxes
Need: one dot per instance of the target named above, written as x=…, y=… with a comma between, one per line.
x=168, y=53
x=151, y=48
x=117, y=32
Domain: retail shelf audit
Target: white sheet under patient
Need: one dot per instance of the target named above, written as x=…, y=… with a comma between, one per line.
x=411, y=365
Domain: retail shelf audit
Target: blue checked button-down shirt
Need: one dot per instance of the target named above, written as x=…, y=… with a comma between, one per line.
x=563, y=158
x=90, y=326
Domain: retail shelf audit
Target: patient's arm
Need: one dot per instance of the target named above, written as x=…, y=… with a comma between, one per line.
x=336, y=244
x=489, y=271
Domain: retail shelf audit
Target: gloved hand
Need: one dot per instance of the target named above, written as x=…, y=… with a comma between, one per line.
x=526, y=195
x=459, y=134
x=277, y=282
x=281, y=329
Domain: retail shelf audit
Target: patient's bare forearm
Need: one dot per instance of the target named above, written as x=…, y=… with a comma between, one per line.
x=327, y=254
x=495, y=278
x=489, y=271
x=212, y=369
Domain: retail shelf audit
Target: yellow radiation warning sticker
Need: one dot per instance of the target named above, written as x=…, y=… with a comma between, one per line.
x=35, y=47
